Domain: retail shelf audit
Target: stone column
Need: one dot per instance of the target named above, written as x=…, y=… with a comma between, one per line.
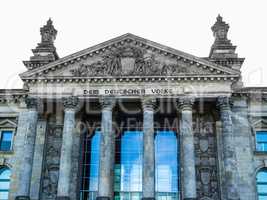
x=187, y=149
x=63, y=190
x=229, y=155
x=106, y=168
x=27, y=124
x=148, y=150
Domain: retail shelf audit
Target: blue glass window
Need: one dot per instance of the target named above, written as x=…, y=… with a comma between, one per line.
x=128, y=166
x=90, y=168
x=6, y=140
x=261, y=141
x=262, y=184
x=4, y=182
x=166, y=164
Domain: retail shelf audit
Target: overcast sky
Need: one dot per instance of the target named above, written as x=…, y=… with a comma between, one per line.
x=183, y=25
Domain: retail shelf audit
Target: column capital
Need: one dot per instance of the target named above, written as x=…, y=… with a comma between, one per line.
x=107, y=103
x=70, y=102
x=224, y=102
x=32, y=103
x=185, y=103
x=149, y=103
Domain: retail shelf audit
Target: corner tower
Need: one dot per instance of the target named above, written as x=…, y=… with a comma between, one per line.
x=223, y=51
x=45, y=52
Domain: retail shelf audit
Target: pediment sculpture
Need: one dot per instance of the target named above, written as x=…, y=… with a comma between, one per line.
x=128, y=60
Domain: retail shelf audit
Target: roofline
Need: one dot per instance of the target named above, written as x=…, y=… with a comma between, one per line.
x=131, y=36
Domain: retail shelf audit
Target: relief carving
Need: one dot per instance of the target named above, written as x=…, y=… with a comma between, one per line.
x=51, y=162
x=206, y=158
x=130, y=60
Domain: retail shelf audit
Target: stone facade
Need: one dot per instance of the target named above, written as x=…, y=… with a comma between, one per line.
x=217, y=118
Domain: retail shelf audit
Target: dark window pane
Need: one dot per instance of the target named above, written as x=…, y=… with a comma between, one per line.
x=6, y=140
x=261, y=140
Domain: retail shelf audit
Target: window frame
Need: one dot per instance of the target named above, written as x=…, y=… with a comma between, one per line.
x=2, y=129
x=256, y=143
x=178, y=140
x=118, y=140
x=2, y=169
x=263, y=169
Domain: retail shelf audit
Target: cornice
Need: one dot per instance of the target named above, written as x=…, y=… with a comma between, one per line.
x=12, y=95
x=133, y=79
x=119, y=41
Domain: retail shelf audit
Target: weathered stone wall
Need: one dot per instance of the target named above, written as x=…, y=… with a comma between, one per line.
x=50, y=173
x=242, y=130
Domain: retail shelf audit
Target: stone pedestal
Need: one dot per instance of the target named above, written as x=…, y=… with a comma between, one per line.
x=187, y=149
x=27, y=124
x=70, y=105
x=106, y=169
x=230, y=187
x=148, y=150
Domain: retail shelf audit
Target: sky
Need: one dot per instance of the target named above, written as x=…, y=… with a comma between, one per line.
x=183, y=25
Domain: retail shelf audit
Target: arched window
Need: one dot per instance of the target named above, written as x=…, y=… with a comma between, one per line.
x=167, y=165
x=262, y=184
x=4, y=182
x=90, y=166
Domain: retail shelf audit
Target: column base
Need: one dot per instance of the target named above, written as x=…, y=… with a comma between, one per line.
x=22, y=198
x=62, y=198
x=102, y=198
x=148, y=198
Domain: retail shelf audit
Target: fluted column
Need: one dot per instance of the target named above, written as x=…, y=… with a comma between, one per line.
x=188, y=150
x=27, y=126
x=229, y=155
x=148, y=150
x=106, y=168
x=70, y=105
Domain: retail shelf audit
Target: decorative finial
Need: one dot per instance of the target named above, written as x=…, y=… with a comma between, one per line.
x=45, y=52
x=219, y=18
x=48, y=32
x=220, y=29
x=49, y=22
x=223, y=51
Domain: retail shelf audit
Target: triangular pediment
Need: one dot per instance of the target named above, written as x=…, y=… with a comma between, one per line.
x=6, y=123
x=129, y=56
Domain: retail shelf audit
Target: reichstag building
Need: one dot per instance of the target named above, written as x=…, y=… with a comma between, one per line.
x=131, y=119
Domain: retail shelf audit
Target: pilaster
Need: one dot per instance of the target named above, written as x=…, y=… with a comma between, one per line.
x=230, y=187
x=38, y=159
x=244, y=148
x=27, y=127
